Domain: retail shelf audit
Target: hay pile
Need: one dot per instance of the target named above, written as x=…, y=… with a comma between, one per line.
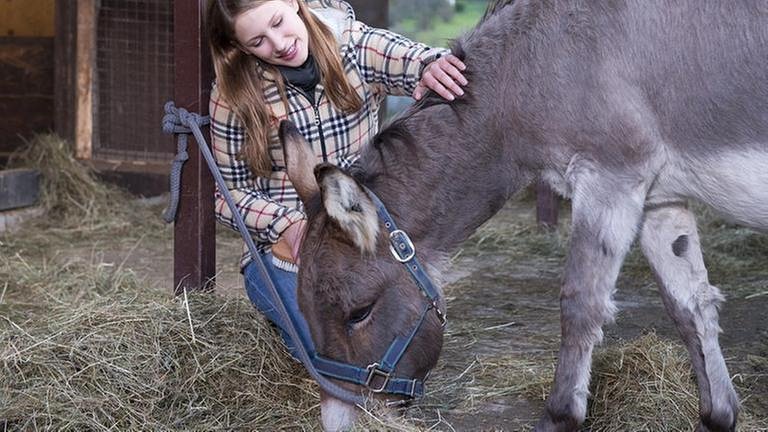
x=71, y=194
x=647, y=384
x=643, y=385
x=126, y=361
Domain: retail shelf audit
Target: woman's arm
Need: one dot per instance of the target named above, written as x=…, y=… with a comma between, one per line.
x=403, y=67
x=264, y=217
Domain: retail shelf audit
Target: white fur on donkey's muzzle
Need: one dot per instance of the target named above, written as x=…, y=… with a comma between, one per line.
x=336, y=415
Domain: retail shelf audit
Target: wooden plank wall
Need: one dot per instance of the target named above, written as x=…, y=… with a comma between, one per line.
x=26, y=70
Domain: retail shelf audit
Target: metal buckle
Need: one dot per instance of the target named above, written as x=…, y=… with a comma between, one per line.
x=440, y=315
x=408, y=243
x=413, y=388
x=373, y=371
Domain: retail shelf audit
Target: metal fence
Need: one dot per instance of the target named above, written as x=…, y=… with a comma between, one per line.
x=135, y=70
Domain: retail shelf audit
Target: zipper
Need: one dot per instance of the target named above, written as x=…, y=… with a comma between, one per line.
x=318, y=122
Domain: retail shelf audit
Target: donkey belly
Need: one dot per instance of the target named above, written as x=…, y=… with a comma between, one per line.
x=733, y=182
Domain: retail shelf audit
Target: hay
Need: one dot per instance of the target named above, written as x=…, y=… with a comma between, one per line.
x=127, y=363
x=644, y=385
x=735, y=256
x=647, y=384
x=511, y=376
x=85, y=347
x=71, y=194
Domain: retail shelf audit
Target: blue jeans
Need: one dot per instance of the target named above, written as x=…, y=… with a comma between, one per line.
x=285, y=282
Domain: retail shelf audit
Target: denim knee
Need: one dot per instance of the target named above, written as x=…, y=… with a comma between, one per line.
x=261, y=297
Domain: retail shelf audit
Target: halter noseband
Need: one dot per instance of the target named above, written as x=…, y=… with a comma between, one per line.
x=377, y=377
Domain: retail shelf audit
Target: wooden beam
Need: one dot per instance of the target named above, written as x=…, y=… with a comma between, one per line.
x=86, y=55
x=194, y=244
x=546, y=206
x=64, y=49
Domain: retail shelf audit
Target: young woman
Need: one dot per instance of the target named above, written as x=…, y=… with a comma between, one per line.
x=314, y=64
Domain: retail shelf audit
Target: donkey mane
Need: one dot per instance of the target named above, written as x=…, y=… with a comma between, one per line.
x=432, y=98
x=493, y=8
x=397, y=128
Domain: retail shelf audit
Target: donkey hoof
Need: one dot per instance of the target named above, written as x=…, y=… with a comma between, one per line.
x=725, y=423
x=561, y=424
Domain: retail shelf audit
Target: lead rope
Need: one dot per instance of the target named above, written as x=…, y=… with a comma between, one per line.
x=181, y=122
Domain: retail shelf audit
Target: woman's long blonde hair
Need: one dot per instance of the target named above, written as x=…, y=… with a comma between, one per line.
x=240, y=83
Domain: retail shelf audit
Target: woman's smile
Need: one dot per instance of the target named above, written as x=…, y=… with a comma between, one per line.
x=289, y=53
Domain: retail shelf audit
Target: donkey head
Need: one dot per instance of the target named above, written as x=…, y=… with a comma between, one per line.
x=355, y=296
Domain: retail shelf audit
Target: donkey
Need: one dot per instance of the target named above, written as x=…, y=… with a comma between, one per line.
x=630, y=108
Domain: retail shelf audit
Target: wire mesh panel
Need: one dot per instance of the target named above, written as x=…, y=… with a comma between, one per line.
x=134, y=61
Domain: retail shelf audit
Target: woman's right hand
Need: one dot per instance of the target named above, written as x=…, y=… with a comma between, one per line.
x=289, y=244
x=443, y=76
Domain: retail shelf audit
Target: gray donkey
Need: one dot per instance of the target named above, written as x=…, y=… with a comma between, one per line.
x=628, y=107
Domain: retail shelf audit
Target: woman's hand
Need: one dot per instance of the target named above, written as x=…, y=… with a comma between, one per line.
x=290, y=242
x=442, y=76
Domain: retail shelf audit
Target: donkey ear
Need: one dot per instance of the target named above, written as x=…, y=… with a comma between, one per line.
x=348, y=204
x=299, y=160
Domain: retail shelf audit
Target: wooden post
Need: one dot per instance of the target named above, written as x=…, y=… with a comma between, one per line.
x=194, y=242
x=86, y=64
x=546, y=206
x=64, y=69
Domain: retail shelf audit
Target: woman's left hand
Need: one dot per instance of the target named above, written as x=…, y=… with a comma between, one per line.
x=444, y=77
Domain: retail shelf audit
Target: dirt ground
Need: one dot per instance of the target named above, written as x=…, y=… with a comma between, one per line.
x=500, y=307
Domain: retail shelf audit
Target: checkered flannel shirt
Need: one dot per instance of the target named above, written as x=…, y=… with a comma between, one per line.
x=376, y=62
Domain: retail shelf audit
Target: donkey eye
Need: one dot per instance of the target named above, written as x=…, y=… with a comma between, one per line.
x=359, y=315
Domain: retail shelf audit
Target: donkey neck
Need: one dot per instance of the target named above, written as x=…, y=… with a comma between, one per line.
x=441, y=170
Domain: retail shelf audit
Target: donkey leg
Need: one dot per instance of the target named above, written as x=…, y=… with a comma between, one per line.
x=670, y=242
x=605, y=217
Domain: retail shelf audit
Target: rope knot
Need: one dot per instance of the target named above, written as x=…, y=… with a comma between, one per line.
x=171, y=119
x=180, y=121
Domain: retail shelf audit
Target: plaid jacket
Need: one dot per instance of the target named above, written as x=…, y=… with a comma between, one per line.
x=376, y=62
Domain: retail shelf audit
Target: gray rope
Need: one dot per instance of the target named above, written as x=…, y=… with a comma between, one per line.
x=180, y=121
x=172, y=126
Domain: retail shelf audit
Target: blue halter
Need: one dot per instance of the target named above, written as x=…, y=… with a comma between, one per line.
x=377, y=377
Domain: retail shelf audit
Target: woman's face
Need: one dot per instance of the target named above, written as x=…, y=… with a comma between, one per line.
x=274, y=33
